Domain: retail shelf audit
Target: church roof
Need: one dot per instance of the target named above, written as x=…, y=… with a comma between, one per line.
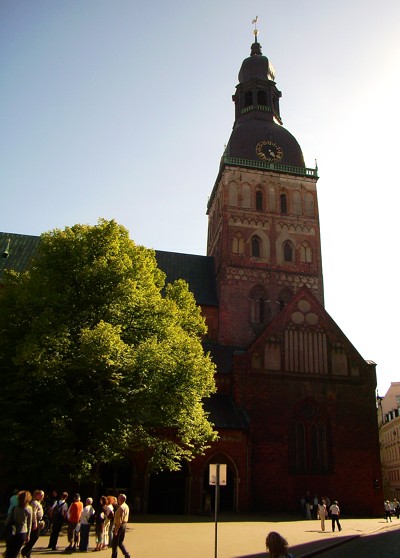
x=224, y=413
x=17, y=251
x=197, y=271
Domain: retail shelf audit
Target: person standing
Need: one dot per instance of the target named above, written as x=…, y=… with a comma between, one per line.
x=396, y=507
x=108, y=520
x=74, y=515
x=308, y=505
x=335, y=513
x=99, y=523
x=13, y=500
x=37, y=516
x=388, y=514
x=121, y=518
x=87, y=518
x=58, y=515
x=21, y=518
x=322, y=513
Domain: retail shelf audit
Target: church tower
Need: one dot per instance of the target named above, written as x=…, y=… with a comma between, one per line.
x=263, y=230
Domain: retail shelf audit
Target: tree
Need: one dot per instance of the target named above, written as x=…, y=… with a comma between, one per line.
x=98, y=358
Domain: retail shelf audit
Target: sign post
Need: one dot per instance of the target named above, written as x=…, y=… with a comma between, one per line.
x=217, y=479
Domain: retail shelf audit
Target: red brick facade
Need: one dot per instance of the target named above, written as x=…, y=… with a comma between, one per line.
x=302, y=414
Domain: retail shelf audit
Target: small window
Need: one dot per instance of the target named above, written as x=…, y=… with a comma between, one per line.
x=261, y=310
x=238, y=244
x=288, y=251
x=248, y=99
x=259, y=201
x=283, y=204
x=305, y=253
x=261, y=98
x=256, y=247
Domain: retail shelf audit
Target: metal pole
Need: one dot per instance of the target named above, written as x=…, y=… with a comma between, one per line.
x=216, y=512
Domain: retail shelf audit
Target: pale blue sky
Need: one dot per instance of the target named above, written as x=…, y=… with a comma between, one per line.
x=121, y=109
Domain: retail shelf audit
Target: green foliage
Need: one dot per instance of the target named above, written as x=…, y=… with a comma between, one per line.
x=99, y=359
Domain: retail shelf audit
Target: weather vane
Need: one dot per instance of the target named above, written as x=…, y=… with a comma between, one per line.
x=254, y=22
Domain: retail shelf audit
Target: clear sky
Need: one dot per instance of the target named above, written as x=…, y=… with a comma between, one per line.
x=121, y=109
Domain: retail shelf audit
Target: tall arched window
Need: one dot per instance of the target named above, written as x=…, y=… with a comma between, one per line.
x=283, y=204
x=309, y=204
x=248, y=99
x=305, y=253
x=309, y=451
x=259, y=200
x=261, y=310
x=288, y=251
x=261, y=98
x=237, y=244
x=256, y=247
x=260, y=307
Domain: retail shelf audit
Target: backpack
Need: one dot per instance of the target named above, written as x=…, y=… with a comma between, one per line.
x=57, y=515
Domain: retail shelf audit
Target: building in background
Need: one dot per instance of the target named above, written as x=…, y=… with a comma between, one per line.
x=389, y=440
x=296, y=406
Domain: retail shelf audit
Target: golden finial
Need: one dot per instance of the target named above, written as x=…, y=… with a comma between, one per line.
x=254, y=22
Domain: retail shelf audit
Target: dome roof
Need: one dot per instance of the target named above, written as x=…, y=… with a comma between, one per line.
x=256, y=66
x=247, y=134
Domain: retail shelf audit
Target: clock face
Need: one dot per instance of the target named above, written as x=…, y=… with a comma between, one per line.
x=269, y=151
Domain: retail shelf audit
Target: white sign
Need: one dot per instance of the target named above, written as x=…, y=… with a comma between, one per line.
x=222, y=474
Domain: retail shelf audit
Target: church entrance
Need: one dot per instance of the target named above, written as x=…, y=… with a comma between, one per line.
x=227, y=500
x=167, y=492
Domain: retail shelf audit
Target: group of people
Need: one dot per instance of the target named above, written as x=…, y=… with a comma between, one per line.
x=321, y=508
x=391, y=508
x=24, y=522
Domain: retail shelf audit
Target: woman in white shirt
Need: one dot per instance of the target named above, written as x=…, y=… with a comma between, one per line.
x=87, y=518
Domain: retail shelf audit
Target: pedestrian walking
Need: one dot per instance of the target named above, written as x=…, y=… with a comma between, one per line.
x=37, y=524
x=120, y=520
x=335, y=513
x=322, y=513
x=396, y=507
x=18, y=525
x=388, y=512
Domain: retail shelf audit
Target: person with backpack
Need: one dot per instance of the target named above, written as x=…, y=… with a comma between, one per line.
x=58, y=514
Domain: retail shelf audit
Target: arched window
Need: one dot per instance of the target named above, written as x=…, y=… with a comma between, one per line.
x=260, y=308
x=256, y=247
x=305, y=253
x=248, y=99
x=288, y=251
x=309, y=452
x=297, y=209
x=262, y=98
x=283, y=204
x=259, y=200
x=238, y=244
x=309, y=204
x=300, y=447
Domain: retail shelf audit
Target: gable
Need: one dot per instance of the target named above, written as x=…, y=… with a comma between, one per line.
x=304, y=339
